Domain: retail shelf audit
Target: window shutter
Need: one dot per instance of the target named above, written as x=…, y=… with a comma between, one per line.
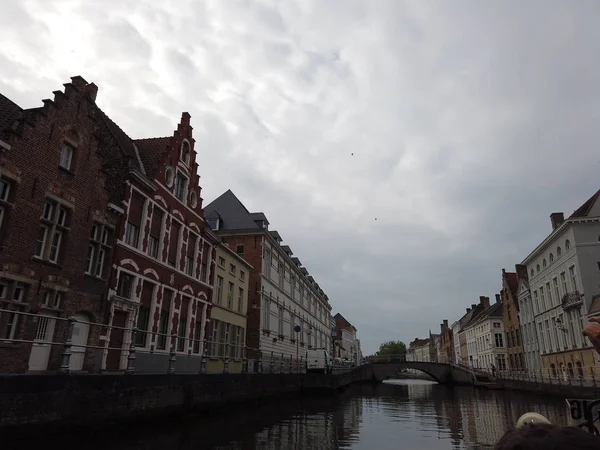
x=157, y=218
x=136, y=207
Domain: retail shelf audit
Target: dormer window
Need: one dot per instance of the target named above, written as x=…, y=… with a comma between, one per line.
x=213, y=224
x=185, y=152
x=180, y=187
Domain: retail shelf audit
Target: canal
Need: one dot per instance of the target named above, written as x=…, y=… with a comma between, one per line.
x=411, y=414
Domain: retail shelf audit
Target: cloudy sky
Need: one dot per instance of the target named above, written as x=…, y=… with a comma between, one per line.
x=407, y=151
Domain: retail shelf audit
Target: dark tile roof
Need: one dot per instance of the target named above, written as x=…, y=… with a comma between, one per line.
x=152, y=152
x=9, y=112
x=595, y=306
x=259, y=216
x=123, y=141
x=584, y=209
x=342, y=319
x=233, y=213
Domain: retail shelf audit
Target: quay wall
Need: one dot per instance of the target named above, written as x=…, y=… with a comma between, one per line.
x=564, y=390
x=82, y=400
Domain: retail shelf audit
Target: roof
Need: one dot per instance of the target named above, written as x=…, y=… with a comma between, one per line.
x=232, y=212
x=495, y=310
x=123, y=141
x=342, y=319
x=259, y=216
x=152, y=152
x=585, y=209
x=595, y=306
x=9, y=112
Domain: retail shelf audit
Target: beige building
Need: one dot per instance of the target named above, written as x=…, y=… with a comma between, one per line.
x=226, y=333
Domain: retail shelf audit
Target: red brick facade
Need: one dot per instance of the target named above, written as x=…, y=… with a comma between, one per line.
x=164, y=263
x=50, y=160
x=446, y=344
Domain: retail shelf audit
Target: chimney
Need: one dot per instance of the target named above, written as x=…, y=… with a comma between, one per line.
x=498, y=298
x=468, y=310
x=446, y=323
x=556, y=218
x=485, y=301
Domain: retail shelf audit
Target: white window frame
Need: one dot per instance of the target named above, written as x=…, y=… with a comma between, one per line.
x=66, y=156
x=180, y=190
x=54, y=217
x=132, y=230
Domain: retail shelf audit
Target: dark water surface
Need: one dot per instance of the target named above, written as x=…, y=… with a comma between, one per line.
x=402, y=414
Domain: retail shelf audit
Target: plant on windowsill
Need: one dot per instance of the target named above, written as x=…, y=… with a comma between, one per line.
x=281, y=337
x=266, y=332
x=301, y=344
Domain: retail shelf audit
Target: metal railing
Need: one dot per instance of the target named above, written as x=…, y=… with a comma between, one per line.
x=583, y=377
x=210, y=356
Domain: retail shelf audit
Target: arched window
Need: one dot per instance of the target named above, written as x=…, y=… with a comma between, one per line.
x=551, y=258
x=537, y=268
x=567, y=244
x=532, y=272
x=544, y=263
x=558, y=251
x=185, y=152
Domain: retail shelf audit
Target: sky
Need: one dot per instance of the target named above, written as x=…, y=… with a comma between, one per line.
x=407, y=151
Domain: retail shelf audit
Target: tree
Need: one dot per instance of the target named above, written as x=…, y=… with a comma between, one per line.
x=391, y=348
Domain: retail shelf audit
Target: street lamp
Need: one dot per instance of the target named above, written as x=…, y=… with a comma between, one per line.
x=558, y=323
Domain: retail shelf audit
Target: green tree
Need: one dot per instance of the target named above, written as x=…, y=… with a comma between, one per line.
x=391, y=348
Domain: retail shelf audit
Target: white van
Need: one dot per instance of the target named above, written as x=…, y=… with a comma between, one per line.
x=317, y=361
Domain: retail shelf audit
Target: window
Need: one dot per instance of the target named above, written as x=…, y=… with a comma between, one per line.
x=66, y=156
x=190, y=256
x=536, y=303
x=499, y=340
x=558, y=251
x=549, y=336
x=183, y=315
x=12, y=296
x=240, y=299
x=544, y=263
x=567, y=244
x=5, y=191
x=125, y=285
x=541, y=336
x=180, y=186
x=97, y=250
x=53, y=299
x=53, y=229
x=239, y=249
x=266, y=314
x=221, y=261
x=551, y=258
x=556, y=290
x=143, y=319
x=219, y=291
x=204, y=264
x=213, y=334
x=230, y=295
x=185, y=152
x=267, y=265
x=163, y=321
x=174, y=243
x=549, y=291
x=155, y=232
x=134, y=220
x=293, y=287
x=563, y=281
x=579, y=369
x=532, y=273
x=242, y=275
x=197, y=332
x=169, y=176
x=232, y=269
x=542, y=298
x=573, y=278
x=193, y=199
x=537, y=268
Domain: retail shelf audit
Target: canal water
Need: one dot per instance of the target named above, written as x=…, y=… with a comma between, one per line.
x=399, y=414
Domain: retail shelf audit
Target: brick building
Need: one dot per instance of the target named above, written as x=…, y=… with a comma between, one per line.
x=164, y=258
x=54, y=205
x=510, y=317
x=446, y=343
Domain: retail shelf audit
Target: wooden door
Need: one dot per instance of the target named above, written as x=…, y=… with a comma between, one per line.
x=113, y=359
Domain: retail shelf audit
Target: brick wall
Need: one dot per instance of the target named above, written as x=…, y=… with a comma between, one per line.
x=32, y=165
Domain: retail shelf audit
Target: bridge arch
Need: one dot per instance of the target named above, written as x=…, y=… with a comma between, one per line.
x=440, y=372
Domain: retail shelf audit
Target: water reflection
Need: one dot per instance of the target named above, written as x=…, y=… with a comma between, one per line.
x=412, y=414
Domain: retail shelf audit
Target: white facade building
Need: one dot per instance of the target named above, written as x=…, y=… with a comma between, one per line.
x=486, y=339
x=533, y=361
x=288, y=312
x=564, y=277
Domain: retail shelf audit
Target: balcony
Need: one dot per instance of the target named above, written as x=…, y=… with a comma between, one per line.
x=571, y=300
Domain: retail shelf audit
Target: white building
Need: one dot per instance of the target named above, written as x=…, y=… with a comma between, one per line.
x=533, y=360
x=564, y=277
x=486, y=340
x=288, y=312
x=347, y=341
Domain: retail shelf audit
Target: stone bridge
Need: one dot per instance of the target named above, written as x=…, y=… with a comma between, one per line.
x=383, y=368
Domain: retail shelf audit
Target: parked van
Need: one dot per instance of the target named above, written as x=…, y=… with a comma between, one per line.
x=317, y=361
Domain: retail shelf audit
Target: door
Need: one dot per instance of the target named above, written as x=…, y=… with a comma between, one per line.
x=40, y=349
x=79, y=339
x=113, y=359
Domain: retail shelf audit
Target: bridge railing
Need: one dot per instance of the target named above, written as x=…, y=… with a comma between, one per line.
x=574, y=376
x=387, y=359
